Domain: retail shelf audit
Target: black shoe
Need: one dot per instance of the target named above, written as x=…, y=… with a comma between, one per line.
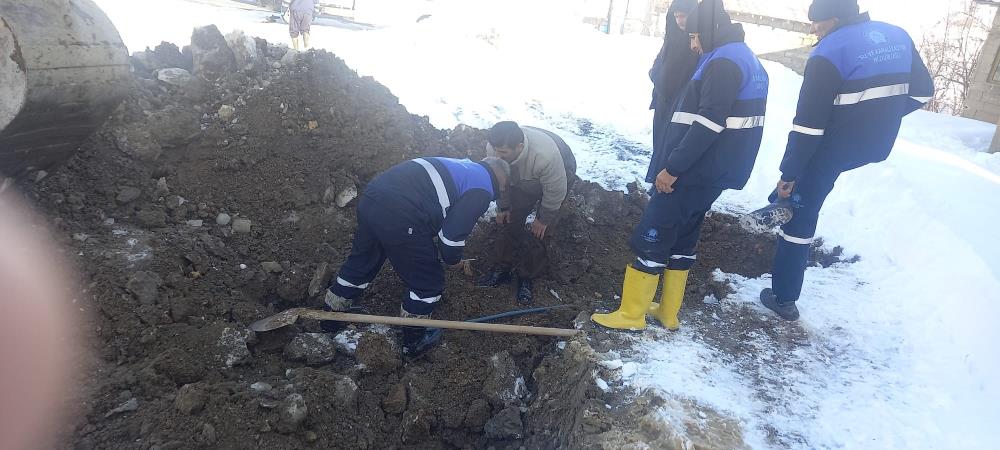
x=332, y=326
x=494, y=278
x=787, y=311
x=524, y=294
x=768, y=218
x=335, y=326
x=418, y=340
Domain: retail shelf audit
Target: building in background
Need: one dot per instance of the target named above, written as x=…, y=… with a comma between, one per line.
x=983, y=102
x=983, y=99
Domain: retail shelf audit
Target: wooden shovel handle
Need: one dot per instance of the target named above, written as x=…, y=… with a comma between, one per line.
x=449, y=324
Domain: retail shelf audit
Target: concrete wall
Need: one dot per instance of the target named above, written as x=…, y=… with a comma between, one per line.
x=983, y=102
x=773, y=22
x=794, y=59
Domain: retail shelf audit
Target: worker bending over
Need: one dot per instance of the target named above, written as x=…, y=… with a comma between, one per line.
x=400, y=214
x=543, y=171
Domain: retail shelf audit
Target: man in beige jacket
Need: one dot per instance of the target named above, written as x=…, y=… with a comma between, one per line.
x=543, y=170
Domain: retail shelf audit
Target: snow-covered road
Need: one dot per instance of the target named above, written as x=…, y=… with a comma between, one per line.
x=895, y=351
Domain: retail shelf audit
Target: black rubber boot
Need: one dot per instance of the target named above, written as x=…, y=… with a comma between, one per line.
x=495, y=278
x=525, y=296
x=418, y=340
x=787, y=311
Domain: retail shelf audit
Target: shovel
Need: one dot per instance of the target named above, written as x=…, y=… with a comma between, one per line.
x=291, y=316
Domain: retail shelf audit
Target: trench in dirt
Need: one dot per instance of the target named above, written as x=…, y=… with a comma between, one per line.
x=188, y=220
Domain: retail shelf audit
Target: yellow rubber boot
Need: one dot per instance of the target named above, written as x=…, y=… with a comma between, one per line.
x=305, y=41
x=674, y=283
x=637, y=294
x=295, y=44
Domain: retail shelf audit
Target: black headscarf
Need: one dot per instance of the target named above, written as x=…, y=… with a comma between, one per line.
x=676, y=63
x=714, y=26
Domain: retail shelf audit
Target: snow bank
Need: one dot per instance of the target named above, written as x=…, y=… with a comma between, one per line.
x=901, y=346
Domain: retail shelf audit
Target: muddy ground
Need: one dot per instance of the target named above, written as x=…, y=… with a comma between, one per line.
x=209, y=201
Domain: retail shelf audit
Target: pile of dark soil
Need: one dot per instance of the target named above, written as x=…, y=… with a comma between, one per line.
x=203, y=206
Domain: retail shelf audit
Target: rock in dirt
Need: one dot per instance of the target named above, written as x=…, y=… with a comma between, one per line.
x=165, y=55
x=345, y=391
x=242, y=226
x=152, y=218
x=127, y=194
x=179, y=78
x=505, y=425
x=320, y=280
x=505, y=385
x=162, y=188
x=131, y=405
x=379, y=352
x=290, y=57
x=346, y=196
x=190, y=399
x=226, y=113
x=223, y=219
x=196, y=223
x=208, y=434
x=213, y=58
x=245, y=50
x=416, y=425
x=313, y=348
x=260, y=387
x=292, y=413
x=395, y=401
x=174, y=126
x=477, y=415
x=232, y=346
x=271, y=267
x=138, y=142
x=144, y=286
x=341, y=191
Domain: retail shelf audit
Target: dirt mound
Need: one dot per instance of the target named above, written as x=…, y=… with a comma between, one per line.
x=203, y=206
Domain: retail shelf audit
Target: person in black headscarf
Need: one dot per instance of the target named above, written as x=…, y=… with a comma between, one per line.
x=710, y=145
x=705, y=24
x=676, y=62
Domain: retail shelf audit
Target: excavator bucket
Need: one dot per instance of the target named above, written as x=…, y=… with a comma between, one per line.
x=63, y=70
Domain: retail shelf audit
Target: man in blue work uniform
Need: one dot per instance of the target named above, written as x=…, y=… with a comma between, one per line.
x=861, y=80
x=711, y=144
x=401, y=213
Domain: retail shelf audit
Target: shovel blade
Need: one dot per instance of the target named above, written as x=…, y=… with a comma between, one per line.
x=282, y=319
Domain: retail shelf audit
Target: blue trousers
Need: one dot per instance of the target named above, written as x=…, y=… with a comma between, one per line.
x=668, y=232
x=796, y=237
x=380, y=236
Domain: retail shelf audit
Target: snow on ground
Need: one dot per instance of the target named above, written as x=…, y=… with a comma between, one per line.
x=895, y=351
